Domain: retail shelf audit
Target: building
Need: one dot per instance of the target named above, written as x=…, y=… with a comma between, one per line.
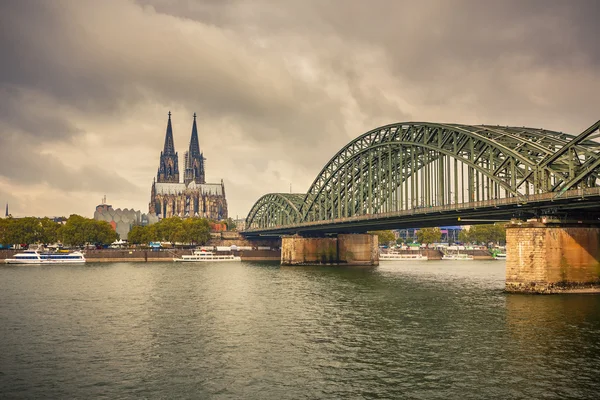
x=122, y=220
x=449, y=234
x=192, y=198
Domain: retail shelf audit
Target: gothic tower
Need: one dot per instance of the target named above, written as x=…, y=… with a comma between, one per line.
x=168, y=170
x=194, y=160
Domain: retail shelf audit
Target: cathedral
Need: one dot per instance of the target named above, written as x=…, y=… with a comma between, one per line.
x=192, y=198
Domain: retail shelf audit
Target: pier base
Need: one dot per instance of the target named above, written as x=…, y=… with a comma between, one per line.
x=351, y=249
x=552, y=258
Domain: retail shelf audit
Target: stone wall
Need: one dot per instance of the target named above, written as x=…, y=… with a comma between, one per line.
x=546, y=258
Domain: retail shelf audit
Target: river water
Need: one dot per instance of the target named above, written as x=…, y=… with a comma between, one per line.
x=422, y=330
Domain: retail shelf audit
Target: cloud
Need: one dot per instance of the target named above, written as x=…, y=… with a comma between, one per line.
x=279, y=88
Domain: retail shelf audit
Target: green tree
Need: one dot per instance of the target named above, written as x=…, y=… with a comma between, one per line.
x=429, y=235
x=5, y=231
x=231, y=226
x=79, y=231
x=385, y=237
x=485, y=234
x=463, y=236
x=49, y=231
x=169, y=229
x=196, y=231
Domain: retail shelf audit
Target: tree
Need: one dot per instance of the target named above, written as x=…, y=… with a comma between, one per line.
x=429, y=235
x=28, y=230
x=79, y=231
x=168, y=229
x=231, y=226
x=485, y=234
x=195, y=231
x=384, y=237
x=49, y=231
x=463, y=236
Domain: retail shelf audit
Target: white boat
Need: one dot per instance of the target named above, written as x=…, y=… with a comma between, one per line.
x=500, y=256
x=201, y=255
x=457, y=257
x=36, y=257
x=395, y=256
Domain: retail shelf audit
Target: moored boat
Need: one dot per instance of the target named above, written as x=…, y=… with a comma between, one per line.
x=499, y=256
x=201, y=255
x=457, y=257
x=396, y=256
x=36, y=257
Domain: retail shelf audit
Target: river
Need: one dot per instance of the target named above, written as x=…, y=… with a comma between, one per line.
x=423, y=330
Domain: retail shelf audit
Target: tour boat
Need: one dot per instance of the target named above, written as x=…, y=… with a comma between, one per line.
x=500, y=256
x=457, y=257
x=36, y=257
x=396, y=256
x=201, y=255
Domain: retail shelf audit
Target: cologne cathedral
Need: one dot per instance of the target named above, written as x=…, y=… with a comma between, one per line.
x=192, y=198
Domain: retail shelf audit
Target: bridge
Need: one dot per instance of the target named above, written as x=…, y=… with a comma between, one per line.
x=427, y=174
x=418, y=174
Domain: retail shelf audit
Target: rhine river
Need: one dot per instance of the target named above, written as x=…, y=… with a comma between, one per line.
x=425, y=330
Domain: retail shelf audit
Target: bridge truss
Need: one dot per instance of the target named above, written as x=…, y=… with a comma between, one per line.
x=415, y=166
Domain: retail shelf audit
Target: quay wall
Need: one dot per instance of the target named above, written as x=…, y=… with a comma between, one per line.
x=144, y=255
x=434, y=254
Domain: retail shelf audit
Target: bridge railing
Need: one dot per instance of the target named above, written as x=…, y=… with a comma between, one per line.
x=533, y=198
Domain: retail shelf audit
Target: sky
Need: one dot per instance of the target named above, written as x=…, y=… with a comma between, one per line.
x=278, y=86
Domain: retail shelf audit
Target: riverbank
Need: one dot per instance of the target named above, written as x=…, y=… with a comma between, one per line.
x=163, y=255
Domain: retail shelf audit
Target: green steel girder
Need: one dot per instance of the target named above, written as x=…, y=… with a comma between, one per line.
x=412, y=165
x=275, y=209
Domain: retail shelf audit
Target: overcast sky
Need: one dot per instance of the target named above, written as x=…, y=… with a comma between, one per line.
x=279, y=86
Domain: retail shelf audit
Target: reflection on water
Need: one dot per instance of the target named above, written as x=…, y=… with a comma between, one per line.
x=257, y=331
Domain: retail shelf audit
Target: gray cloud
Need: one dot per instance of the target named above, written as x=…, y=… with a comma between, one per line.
x=278, y=87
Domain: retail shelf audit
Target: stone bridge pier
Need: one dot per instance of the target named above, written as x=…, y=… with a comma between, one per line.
x=345, y=249
x=552, y=257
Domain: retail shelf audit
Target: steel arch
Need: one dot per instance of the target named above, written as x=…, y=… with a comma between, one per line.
x=275, y=209
x=500, y=162
x=410, y=165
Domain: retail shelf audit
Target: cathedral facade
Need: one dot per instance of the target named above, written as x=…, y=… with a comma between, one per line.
x=192, y=198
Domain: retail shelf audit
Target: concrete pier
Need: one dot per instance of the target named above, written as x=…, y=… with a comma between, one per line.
x=351, y=249
x=552, y=257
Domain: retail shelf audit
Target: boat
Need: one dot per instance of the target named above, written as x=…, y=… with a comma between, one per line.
x=396, y=256
x=457, y=257
x=43, y=258
x=202, y=255
x=500, y=256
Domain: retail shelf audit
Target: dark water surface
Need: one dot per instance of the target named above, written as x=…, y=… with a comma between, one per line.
x=259, y=331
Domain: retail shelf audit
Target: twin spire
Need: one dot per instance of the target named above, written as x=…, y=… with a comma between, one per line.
x=168, y=170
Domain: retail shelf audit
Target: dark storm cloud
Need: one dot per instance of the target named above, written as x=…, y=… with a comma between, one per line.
x=279, y=87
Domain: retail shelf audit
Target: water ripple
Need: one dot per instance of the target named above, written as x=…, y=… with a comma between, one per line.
x=258, y=331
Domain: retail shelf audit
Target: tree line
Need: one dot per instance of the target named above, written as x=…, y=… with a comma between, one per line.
x=477, y=234
x=190, y=230
x=76, y=231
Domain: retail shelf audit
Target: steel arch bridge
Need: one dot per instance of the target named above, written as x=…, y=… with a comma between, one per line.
x=413, y=167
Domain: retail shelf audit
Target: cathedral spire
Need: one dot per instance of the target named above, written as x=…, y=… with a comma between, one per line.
x=194, y=161
x=168, y=168
x=194, y=150
x=6, y=215
x=169, y=144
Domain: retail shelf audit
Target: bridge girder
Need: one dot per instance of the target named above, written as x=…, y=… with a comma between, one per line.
x=415, y=165
x=275, y=209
